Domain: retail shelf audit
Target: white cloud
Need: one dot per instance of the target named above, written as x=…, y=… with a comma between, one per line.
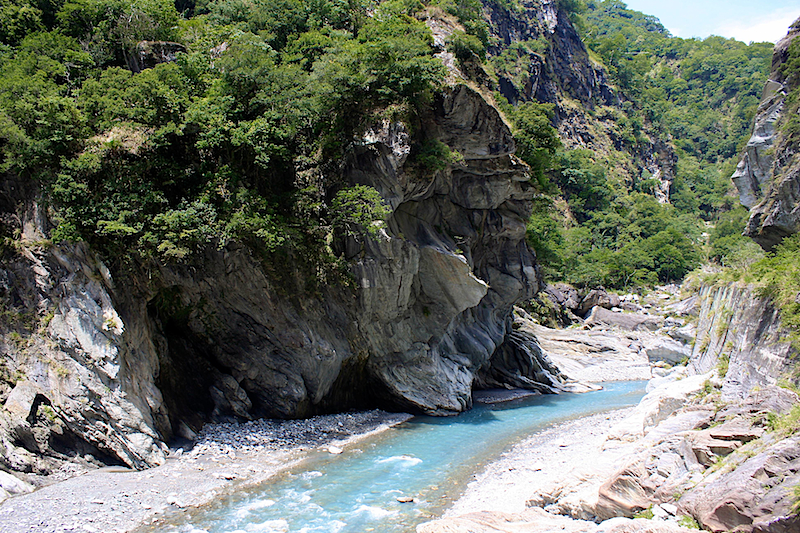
x=769, y=28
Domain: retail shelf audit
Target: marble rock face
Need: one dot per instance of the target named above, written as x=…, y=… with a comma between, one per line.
x=768, y=175
x=124, y=363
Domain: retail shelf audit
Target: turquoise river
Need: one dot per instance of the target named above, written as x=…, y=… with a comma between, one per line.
x=430, y=459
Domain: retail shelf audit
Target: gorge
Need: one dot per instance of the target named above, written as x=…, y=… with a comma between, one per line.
x=295, y=210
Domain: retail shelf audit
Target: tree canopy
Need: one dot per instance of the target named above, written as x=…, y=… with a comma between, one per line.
x=237, y=139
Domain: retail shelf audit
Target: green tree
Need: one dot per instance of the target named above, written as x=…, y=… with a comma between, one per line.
x=537, y=140
x=357, y=209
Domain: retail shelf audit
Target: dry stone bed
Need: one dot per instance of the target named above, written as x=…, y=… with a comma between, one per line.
x=226, y=457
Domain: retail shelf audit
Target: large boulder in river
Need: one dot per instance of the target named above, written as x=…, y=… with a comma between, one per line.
x=667, y=350
x=627, y=321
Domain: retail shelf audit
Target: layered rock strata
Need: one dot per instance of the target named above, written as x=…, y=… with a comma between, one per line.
x=768, y=176
x=701, y=447
x=461, y=262
x=744, y=331
x=108, y=366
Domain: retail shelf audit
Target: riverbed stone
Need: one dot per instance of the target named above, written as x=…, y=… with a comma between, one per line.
x=11, y=485
x=667, y=350
x=624, y=494
x=755, y=491
x=597, y=298
x=592, y=355
x=639, y=525
x=626, y=321
x=684, y=334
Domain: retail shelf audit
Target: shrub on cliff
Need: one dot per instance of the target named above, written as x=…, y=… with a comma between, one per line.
x=233, y=141
x=779, y=276
x=537, y=140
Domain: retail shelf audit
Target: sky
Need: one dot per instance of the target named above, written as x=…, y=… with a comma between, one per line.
x=744, y=20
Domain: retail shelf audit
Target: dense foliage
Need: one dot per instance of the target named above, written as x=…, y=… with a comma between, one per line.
x=238, y=139
x=703, y=93
x=701, y=96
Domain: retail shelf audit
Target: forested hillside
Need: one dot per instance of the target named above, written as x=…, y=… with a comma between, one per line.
x=236, y=132
x=235, y=209
x=693, y=98
x=239, y=138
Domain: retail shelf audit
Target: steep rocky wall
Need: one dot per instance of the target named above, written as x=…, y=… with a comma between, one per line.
x=562, y=70
x=737, y=326
x=463, y=231
x=768, y=175
x=110, y=365
x=562, y=73
x=81, y=374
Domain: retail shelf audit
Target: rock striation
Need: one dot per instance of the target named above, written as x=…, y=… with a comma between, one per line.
x=460, y=265
x=701, y=446
x=768, y=175
x=744, y=331
x=105, y=365
x=564, y=70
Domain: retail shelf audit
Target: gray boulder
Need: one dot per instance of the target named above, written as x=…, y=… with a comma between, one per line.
x=667, y=350
x=684, y=334
x=597, y=298
x=688, y=306
x=148, y=54
x=564, y=295
x=11, y=486
x=627, y=321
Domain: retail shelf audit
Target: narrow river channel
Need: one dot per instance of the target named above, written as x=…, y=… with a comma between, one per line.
x=429, y=459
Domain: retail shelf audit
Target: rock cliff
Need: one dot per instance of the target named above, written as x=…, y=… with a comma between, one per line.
x=104, y=365
x=560, y=71
x=744, y=331
x=704, y=447
x=711, y=451
x=768, y=176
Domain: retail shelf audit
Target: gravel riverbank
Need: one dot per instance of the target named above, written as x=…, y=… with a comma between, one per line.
x=543, y=460
x=225, y=458
x=562, y=466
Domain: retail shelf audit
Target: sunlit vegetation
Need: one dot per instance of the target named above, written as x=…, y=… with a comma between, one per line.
x=701, y=96
x=238, y=139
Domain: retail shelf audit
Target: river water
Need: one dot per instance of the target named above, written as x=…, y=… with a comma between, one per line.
x=429, y=459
